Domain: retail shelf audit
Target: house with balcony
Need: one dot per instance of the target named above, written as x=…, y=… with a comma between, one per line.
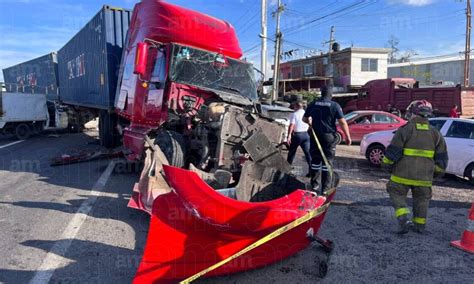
x=352, y=68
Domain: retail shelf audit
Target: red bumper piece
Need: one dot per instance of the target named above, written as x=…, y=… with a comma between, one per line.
x=194, y=227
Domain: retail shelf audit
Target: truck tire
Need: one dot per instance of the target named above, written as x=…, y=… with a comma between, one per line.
x=74, y=123
x=22, y=131
x=108, y=133
x=173, y=146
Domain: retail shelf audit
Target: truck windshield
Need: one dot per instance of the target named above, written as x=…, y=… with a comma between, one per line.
x=212, y=71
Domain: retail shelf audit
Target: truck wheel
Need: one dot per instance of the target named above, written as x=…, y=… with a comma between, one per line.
x=22, y=131
x=172, y=145
x=108, y=133
x=375, y=155
x=469, y=173
x=74, y=124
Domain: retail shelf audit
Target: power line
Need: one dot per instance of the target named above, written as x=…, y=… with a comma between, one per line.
x=252, y=48
x=365, y=4
x=249, y=24
x=295, y=28
x=245, y=14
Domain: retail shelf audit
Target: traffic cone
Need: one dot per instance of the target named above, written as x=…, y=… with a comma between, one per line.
x=467, y=239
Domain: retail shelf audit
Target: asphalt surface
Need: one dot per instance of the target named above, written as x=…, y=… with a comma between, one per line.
x=39, y=208
x=71, y=224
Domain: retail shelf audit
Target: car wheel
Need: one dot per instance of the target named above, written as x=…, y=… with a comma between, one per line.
x=469, y=173
x=338, y=138
x=375, y=154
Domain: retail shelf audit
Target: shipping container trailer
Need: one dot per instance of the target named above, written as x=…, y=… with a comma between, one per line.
x=89, y=63
x=37, y=76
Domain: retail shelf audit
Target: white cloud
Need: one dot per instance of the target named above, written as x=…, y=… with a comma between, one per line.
x=416, y=3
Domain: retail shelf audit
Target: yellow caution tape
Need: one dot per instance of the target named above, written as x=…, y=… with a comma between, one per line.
x=308, y=216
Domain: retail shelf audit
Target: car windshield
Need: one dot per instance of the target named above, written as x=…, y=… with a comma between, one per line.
x=212, y=71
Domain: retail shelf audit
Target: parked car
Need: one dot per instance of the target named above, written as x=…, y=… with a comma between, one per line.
x=362, y=123
x=459, y=136
x=278, y=113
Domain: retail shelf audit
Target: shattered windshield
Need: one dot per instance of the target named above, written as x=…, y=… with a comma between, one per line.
x=212, y=71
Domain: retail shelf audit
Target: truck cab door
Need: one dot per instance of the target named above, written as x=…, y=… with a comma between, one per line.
x=154, y=98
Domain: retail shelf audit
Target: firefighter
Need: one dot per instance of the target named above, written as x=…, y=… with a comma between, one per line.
x=417, y=153
x=321, y=115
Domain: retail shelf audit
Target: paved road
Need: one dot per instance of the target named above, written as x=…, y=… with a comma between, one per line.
x=71, y=224
x=43, y=236
x=367, y=249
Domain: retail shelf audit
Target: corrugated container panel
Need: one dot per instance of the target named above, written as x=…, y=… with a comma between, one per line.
x=37, y=76
x=90, y=61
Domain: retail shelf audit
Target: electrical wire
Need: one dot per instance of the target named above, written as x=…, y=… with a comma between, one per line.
x=348, y=7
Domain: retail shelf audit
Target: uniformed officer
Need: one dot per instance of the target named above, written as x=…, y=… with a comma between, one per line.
x=322, y=115
x=417, y=152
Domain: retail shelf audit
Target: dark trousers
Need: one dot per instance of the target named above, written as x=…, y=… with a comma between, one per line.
x=421, y=199
x=318, y=167
x=299, y=139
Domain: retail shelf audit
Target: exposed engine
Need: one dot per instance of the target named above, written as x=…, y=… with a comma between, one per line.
x=219, y=131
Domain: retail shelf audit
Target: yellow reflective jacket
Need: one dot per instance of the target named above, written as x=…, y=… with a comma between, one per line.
x=416, y=153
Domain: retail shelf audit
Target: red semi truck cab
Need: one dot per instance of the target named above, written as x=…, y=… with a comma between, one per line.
x=175, y=62
x=400, y=92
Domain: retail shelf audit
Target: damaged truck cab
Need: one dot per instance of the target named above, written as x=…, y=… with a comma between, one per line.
x=182, y=84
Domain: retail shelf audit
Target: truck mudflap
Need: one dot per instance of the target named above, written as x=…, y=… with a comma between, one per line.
x=152, y=182
x=193, y=227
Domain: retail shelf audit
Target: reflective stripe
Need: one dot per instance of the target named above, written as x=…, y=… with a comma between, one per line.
x=402, y=211
x=418, y=153
x=418, y=220
x=422, y=126
x=387, y=161
x=438, y=169
x=316, y=166
x=413, y=182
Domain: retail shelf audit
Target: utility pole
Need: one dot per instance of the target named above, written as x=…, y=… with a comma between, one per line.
x=330, y=73
x=467, y=58
x=276, y=66
x=263, y=35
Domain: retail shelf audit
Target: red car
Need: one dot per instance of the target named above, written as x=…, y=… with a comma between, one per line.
x=368, y=121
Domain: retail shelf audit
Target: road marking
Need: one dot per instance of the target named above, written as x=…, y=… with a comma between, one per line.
x=55, y=257
x=11, y=144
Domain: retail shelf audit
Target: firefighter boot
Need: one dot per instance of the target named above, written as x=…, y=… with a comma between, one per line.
x=404, y=224
x=419, y=228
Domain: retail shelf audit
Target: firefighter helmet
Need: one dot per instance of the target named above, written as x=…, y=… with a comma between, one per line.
x=421, y=108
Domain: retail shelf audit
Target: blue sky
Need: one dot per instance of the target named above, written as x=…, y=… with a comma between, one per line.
x=31, y=28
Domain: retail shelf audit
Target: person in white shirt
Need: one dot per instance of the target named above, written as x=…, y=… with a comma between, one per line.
x=298, y=134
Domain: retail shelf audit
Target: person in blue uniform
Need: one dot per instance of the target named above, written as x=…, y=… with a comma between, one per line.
x=322, y=115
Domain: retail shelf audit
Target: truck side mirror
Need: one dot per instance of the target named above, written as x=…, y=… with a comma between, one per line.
x=141, y=58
